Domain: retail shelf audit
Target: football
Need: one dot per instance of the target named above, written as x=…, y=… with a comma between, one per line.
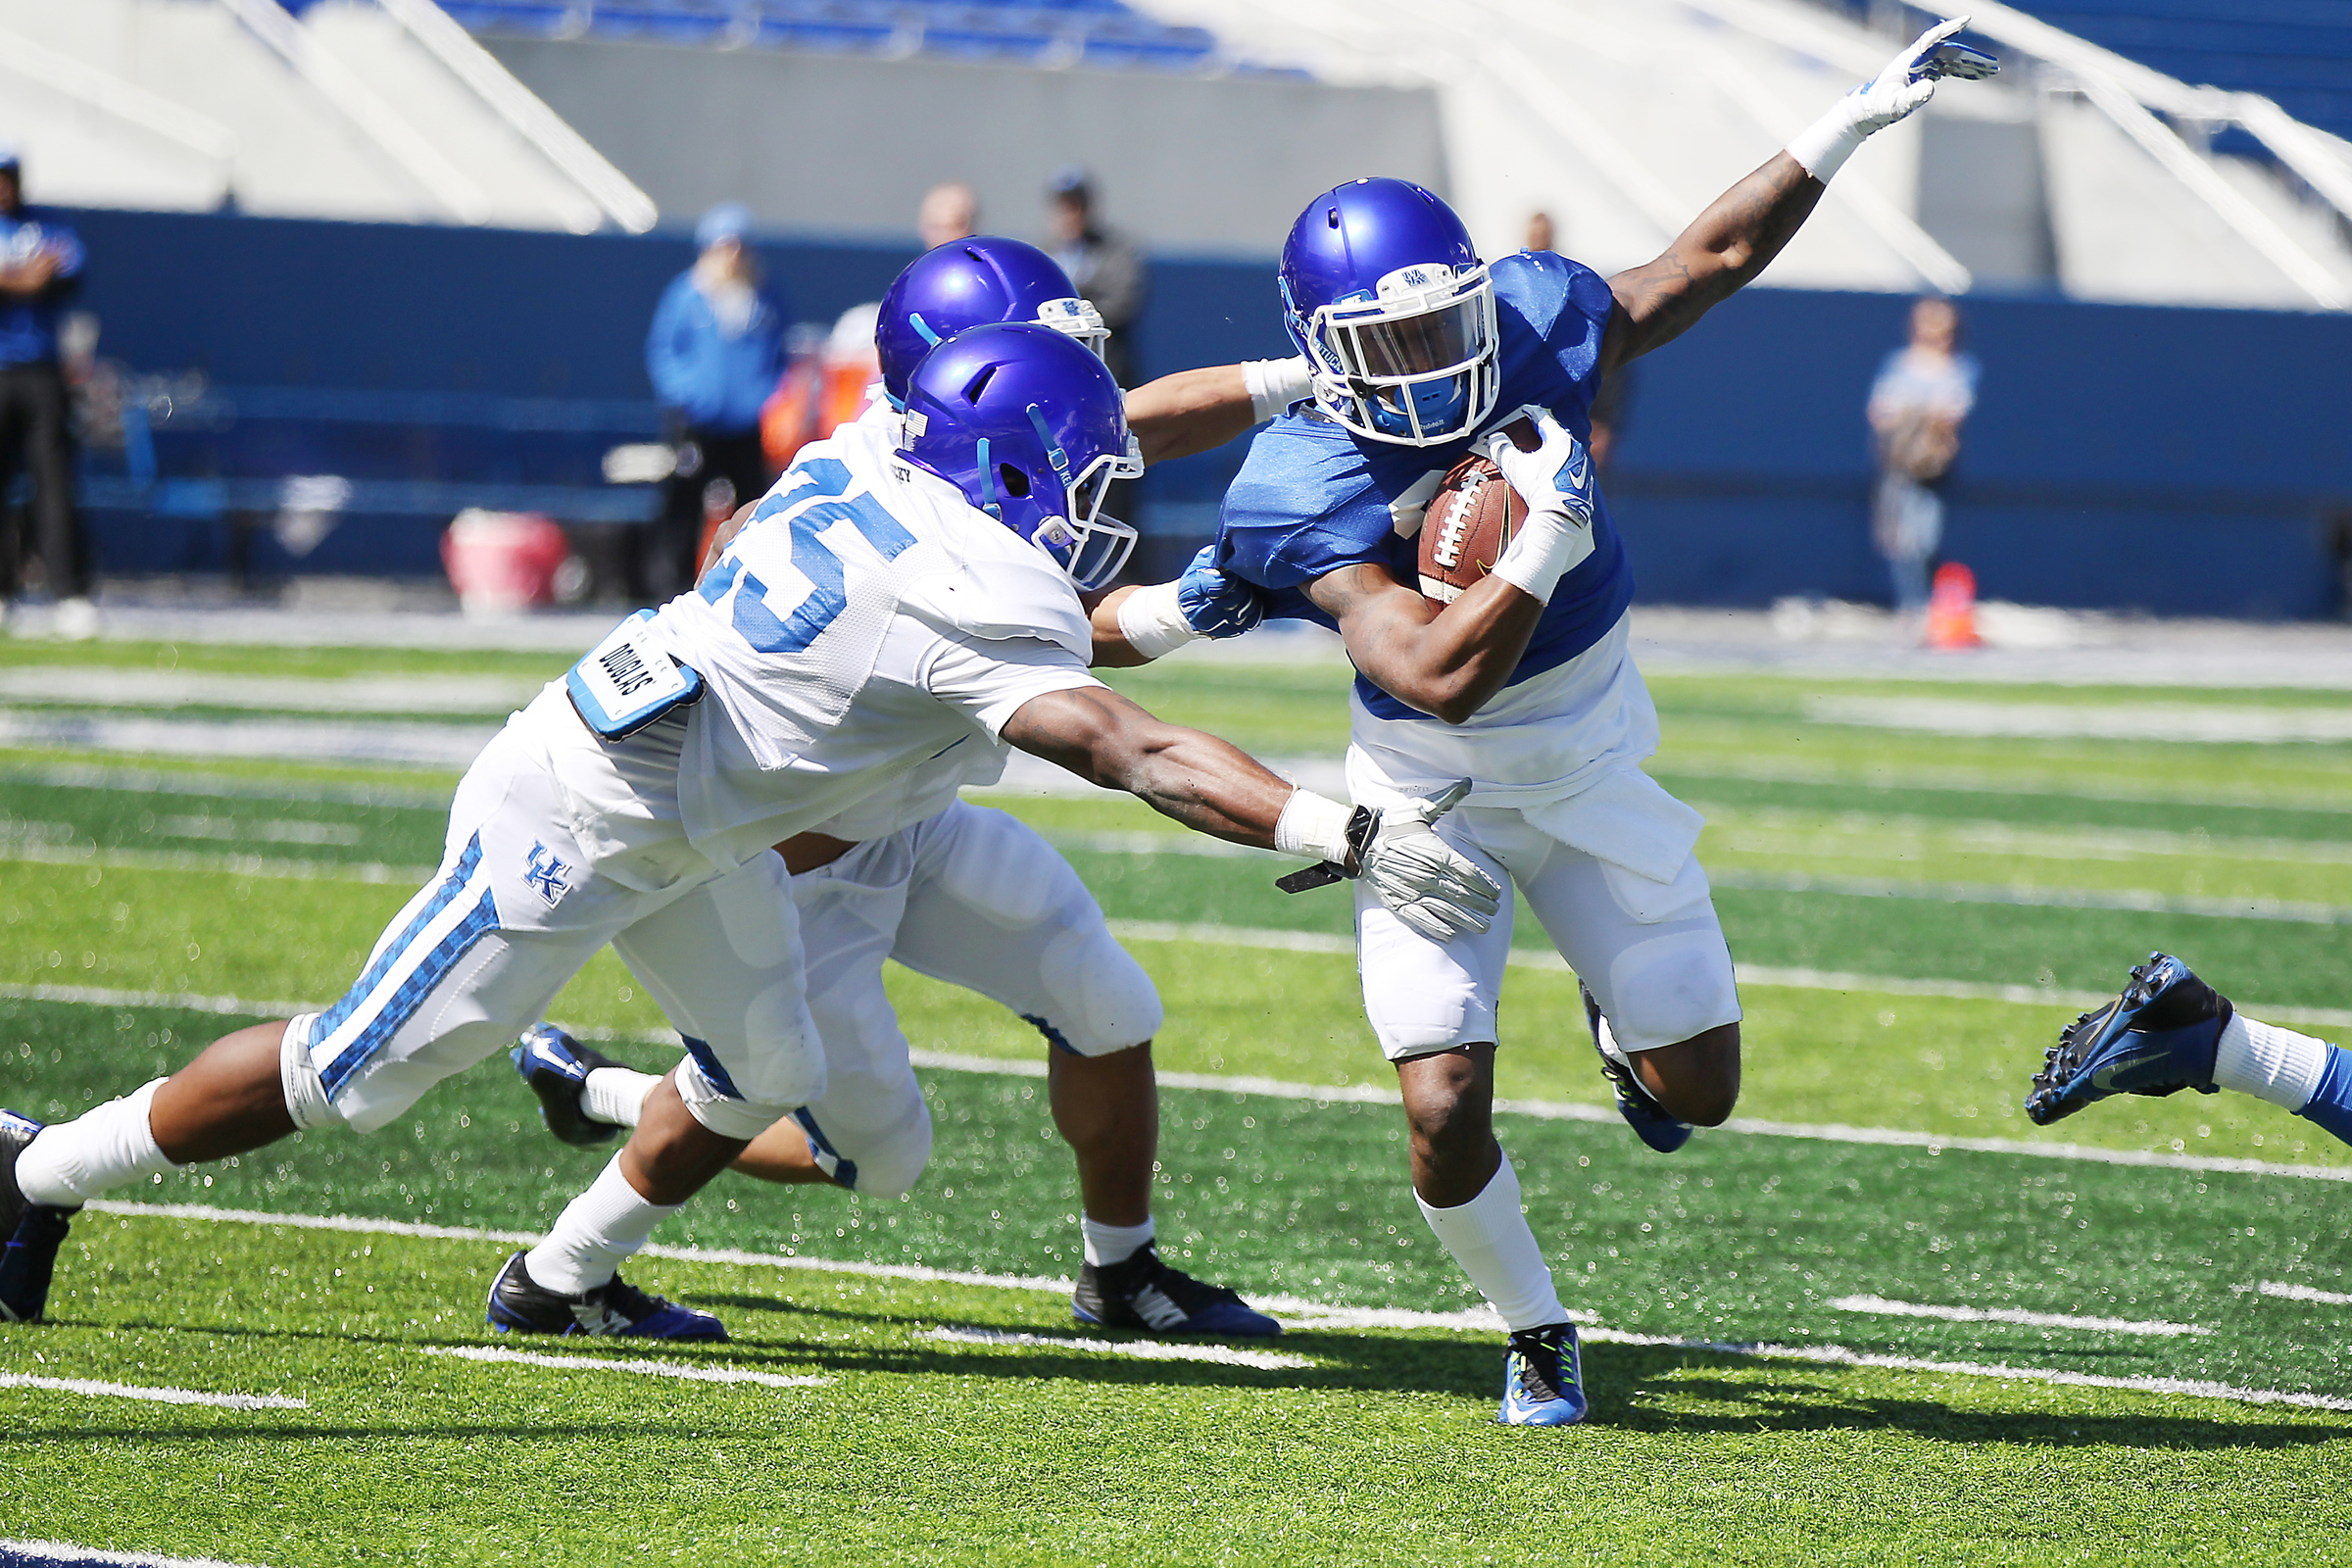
x=1469, y=520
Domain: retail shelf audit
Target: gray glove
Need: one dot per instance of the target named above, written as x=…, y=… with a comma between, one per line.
x=1421, y=878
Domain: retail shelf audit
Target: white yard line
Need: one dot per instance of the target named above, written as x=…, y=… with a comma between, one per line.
x=1833, y=1354
x=2136, y=901
x=156, y=1396
x=2200, y=723
x=2304, y=1293
x=65, y=1554
x=1362, y=1093
x=97, y=686
x=1140, y=1350
x=274, y=867
x=648, y=1370
x=410, y=744
x=1879, y=1306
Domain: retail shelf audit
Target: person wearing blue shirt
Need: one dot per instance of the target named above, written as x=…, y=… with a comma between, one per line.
x=1513, y=700
x=40, y=268
x=714, y=355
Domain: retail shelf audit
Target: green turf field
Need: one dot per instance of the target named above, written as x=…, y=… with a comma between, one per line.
x=2134, y=1362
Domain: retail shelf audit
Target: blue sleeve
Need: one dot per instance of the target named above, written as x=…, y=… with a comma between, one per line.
x=1551, y=313
x=1305, y=505
x=670, y=360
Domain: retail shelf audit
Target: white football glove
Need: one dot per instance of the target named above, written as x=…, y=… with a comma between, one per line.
x=1555, y=480
x=1427, y=885
x=1908, y=81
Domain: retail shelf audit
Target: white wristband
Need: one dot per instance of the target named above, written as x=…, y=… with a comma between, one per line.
x=1550, y=544
x=1822, y=148
x=1314, y=826
x=1275, y=384
x=1152, y=622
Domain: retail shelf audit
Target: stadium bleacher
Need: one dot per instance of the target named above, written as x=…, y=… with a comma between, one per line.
x=1100, y=34
x=2297, y=53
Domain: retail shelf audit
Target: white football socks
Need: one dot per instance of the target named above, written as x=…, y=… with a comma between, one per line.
x=617, y=1094
x=1490, y=1237
x=1111, y=1243
x=71, y=1163
x=596, y=1231
x=2269, y=1063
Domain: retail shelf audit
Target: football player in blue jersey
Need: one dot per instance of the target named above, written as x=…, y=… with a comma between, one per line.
x=1420, y=352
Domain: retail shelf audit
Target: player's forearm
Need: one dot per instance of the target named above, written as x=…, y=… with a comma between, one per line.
x=1112, y=650
x=1190, y=412
x=1206, y=784
x=1448, y=664
x=1726, y=248
x=721, y=537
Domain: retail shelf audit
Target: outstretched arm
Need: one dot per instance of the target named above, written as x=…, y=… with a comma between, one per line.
x=1213, y=787
x=1728, y=244
x=1736, y=238
x=1195, y=410
x=1209, y=785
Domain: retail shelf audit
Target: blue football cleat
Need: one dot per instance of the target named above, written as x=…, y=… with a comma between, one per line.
x=2158, y=1038
x=1544, y=1378
x=521, y=1304
x=1651, y=1121
x=1146, y=1295
x=33, y=1232
x=557, y=1067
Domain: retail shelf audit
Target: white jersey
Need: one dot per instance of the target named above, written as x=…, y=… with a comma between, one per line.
x=867, y=629
x=1564, y=747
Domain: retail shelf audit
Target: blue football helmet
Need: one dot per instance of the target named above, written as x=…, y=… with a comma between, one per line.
x=1031, y=427
x=1385, y=295
x=971, y=283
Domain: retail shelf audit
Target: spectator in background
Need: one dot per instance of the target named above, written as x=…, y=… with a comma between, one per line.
x=949, y=211
x=1615, y=393
x=1108, y=271
x=40, y=267
x=715, y=353
x=1924, y=392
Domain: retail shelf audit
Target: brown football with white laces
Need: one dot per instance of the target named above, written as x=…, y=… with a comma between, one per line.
x=1470, y=522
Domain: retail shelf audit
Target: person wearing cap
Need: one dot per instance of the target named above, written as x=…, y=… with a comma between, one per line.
x=40, y=268
x=1107, y=270
x=714, y=355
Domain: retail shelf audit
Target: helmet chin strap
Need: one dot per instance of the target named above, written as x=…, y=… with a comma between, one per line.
x=988, y=483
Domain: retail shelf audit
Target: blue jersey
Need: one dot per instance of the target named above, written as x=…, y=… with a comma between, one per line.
x=1311, y=498
x=29, y=322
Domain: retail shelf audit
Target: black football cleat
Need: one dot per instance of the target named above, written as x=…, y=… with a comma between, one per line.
x=1651, y=1121
x=557, y=1067
x=34, y=1231
x=2158, y=1038
x=521, y=1304
x=1145, y=1295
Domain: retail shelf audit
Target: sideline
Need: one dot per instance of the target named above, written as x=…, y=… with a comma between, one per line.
x=1833, y=1354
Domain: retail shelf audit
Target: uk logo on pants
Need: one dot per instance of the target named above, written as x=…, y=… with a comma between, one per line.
x=546, y=875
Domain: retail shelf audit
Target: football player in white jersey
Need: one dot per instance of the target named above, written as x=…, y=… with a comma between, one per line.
x=884, y=607
x=973, y=896
x=1423, y=353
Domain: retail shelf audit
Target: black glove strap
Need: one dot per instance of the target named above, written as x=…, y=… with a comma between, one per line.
x=1363, y=824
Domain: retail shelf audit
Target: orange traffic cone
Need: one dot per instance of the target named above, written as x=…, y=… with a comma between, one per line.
x=1952, y=607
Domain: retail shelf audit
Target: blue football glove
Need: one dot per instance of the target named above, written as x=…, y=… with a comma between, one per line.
x=1217, y=603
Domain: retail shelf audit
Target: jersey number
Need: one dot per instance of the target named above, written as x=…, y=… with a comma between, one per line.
x=826, y=599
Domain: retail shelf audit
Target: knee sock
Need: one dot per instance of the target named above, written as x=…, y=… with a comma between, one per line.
x=596, y=1231
x=1489, y=1237
x=617, y=1094
x=1112, y=1243
x=73, y=1162
x=2309, y=1077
